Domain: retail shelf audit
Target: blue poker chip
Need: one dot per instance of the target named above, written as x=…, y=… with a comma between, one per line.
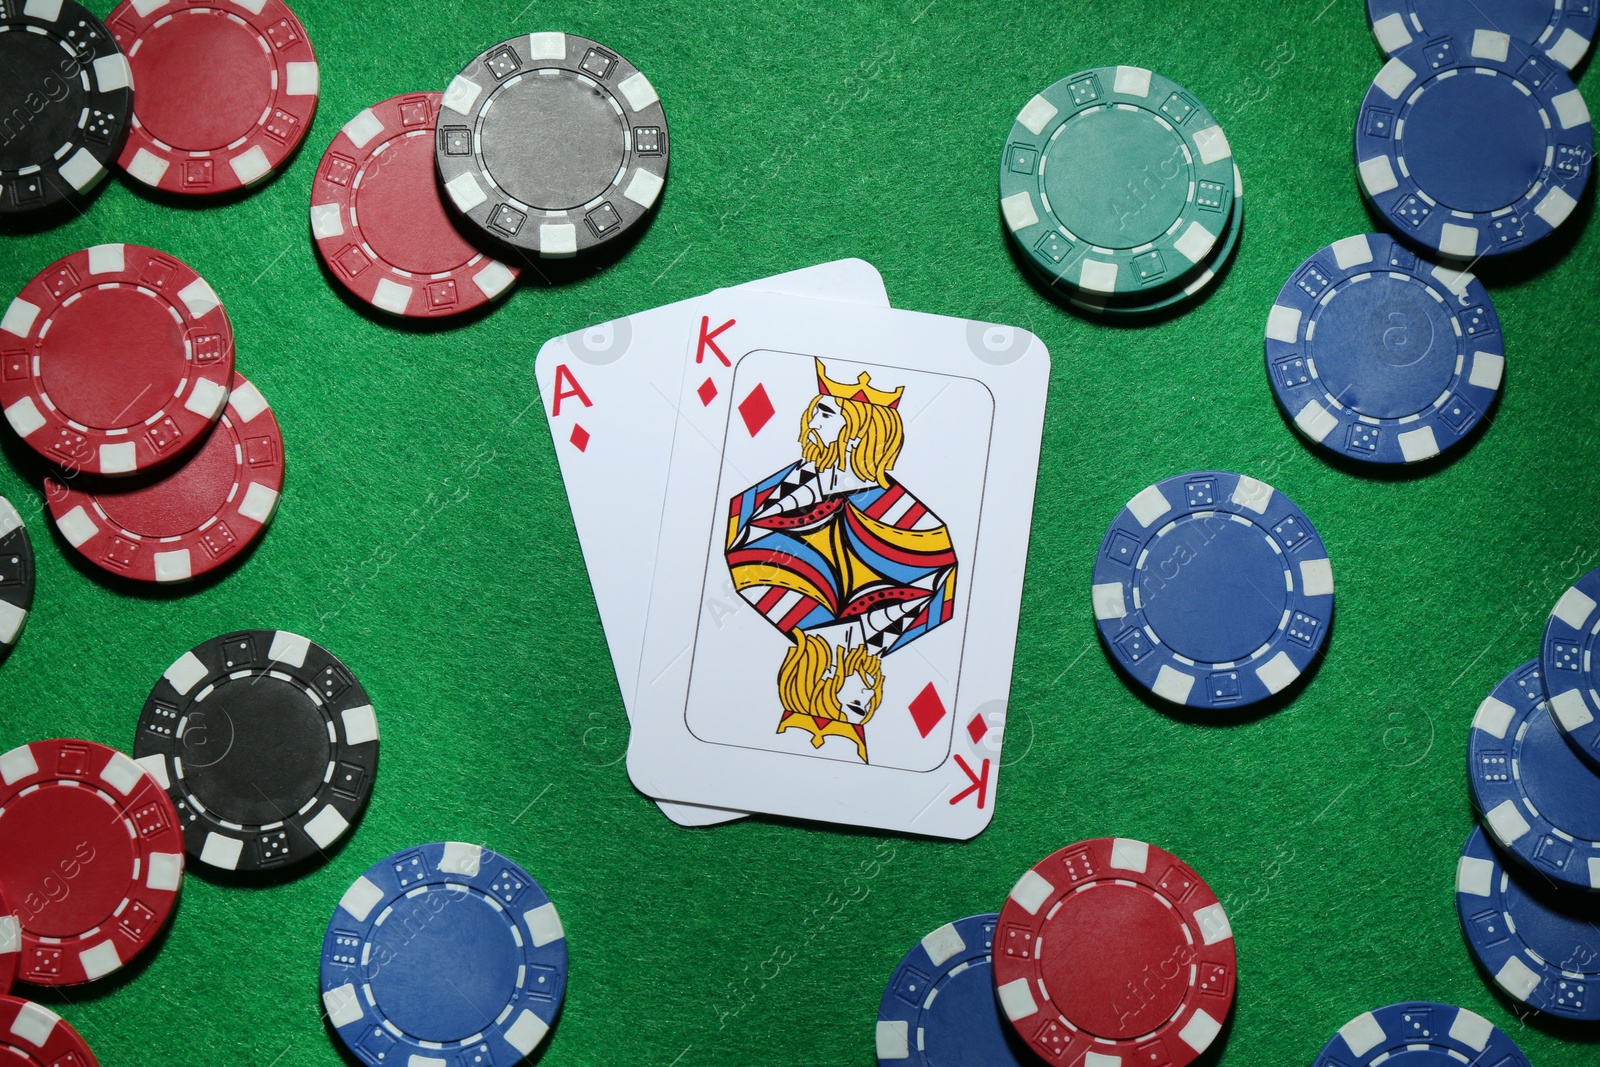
x=444, y=954
x=1480, y=165
x=1571, y=662
x=1563, y=29
x=1536, y=942
x=940, y=1007
x=1381, y=356
x=1538, y=797
x=1213, y=590
x=1420, y=1033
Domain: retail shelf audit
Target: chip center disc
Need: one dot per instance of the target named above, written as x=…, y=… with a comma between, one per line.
x=177, y=503
x=1116, y=177
x=1500, y=123
x=1569, y=799
x=255, y=750
x=401, y=213
x=956, y=1028
x=444, y=964
x=67, y=852
x=552, y=140
x=203, y=80
x=113, y=357
x=1213, y=589
x=1384, y=348
x=32, y=63
x=1116, y=961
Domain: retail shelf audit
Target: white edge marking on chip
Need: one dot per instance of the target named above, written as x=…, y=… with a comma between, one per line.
x=1571, y=710
x=1453, y=279
x=246, y=401
x=360, y=725
x=1019, y=211
x=1109, y=601
x=44, y=10
x=326, y=221
x=558, y=240
x=547, y=46
x=461, y=95
x=81, y=170
x=525, y=1034
x=1494, y=717
x=185, y=674
x=156, y=767
x=1131, y=81
x=119, y=458
x=222, y=851
x=1506, y=822
x=25, y=417
x=1016, y=999
x=494, y=279
x=1488, y=370
x=108, y=259
x=1363, y=1033
x=251, y=165
x=1472, y=1030
x=1213, y=144
x=326, y=826
x=893, y=1039
x=301, y=79
x=943, y=943
x=1352, y=252
x=1253, y=494
x=1574, y=608
x=260, y=503
x=208, y=399
x=1316, y=577
x=1395, y=79
x=359, y=900
x=1200, y=1031
x=1214, y=924
x=35, y=1023
x=1283, y=324
x=1149, y=506
x=1278, y=673
x=78, y=527
x=1031, y=891
x=1173, y=684
x=1594, y=872
x=148, y=167
x=1130, y=855
x=12, y=619
x=199, y=298
x=1569, y=48
x=166, y=871
x=1195, y=243
x=1462, y=241
x=344, y=1006
x=288, y=648
x=544, y=925
x=1491, y=44
x=101, y=960
x=637, y=88
x=121, y=774
x=1316, y=421
x=20, y=317
x=1092, y=1058
x=392, y=297
x=1377, y=174
x=1474, y=877
x=144, y=7
x=18, y=764
x=1518, y=979
x=1391, y=32
x=461, y=858
x=10, y=935
x=255, y=7
x=1097, y=276
x=643, y=188
x=10, y=521
x=1036, y=115
x=1418, y=444
x=1555, y=207
x=363, y=128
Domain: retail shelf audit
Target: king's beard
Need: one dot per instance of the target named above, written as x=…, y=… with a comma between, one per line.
x=820, y=456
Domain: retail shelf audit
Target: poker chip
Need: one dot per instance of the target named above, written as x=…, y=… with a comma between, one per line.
x=1536, y=942
x=16, y=577
x=445, y=952
x=1112, y=947
x=1422, y=1032
x=189, y=520
x=1538, y=797
x=1116, y=180
x=226, y=91
x=1213, y=590
x=31, y=1035
x=68, y=80
x=1381, y=356
x=552, y=144
x=940, y=1005
x=10, y=942
x=1562, y=28
x=1474, y=166
x=1571, y=664
x=266, y=744
x=381, y=226
x=115, y=359
x=77, y=806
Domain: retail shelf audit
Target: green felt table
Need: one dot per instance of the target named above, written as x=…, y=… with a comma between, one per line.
x=424, y=537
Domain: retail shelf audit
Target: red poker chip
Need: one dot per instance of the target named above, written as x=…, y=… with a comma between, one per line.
x=31, y=1035
x=1116, y=948
x=10, y=943
x=114, y=360
x=225, y=91
x=91, y=854
x=191, y=520
x=381, y=226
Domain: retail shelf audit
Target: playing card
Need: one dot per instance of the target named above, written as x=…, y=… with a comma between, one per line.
x=609, y=394
x=834, y=610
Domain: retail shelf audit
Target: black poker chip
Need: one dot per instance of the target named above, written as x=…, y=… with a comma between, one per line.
x=67, y=96
x=16, y=576
x=267, y=745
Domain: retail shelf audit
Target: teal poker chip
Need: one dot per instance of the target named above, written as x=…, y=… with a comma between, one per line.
x=1116, y=180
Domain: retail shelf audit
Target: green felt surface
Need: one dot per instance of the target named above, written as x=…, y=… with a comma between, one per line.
x=424, y=537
